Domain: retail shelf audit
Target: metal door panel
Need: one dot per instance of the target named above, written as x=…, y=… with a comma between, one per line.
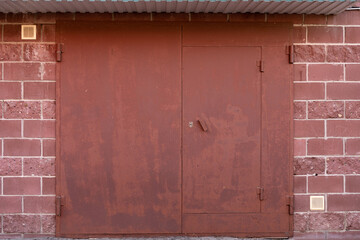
x=221, y=166
x=120, y=129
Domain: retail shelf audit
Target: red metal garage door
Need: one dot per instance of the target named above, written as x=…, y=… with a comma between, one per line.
x=174, y=129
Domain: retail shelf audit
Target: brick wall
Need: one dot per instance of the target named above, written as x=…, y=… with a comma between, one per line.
x=326, y=104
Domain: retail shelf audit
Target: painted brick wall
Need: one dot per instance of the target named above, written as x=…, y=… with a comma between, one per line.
x=326, y=105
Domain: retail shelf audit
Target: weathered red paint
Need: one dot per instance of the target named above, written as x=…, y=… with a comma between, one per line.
x=129, y=160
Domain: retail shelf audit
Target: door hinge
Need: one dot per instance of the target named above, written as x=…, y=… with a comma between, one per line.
x=290, y=204
x=260, y=193
x=59, y=204
x=291, y=52
x=59, y=51
x=261, y=66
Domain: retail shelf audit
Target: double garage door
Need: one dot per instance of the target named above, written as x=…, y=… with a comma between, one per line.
x=174, y=129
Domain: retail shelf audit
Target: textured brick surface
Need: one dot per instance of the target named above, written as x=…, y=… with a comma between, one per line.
x=39, y=52
x=299, y=110
x=343, y=53
x=343, y=165
x=326, y=221
x=48, y=224
x=48, y=109
x=352, y=109
x=328, y=109
x=10, y=52
x=309, y=165
x=21, y=224
x=39, y=166
x=353, y=221
x=301, y=222
x=10, y=167
x=309, y=53
x=22, y=109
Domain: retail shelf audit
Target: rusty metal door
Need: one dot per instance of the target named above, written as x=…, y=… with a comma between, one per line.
x=174, y=128
x=120, y=97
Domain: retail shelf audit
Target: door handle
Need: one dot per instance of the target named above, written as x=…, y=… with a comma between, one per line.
x=203, y=125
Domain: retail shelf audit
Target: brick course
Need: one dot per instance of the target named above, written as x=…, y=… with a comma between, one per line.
x=326, y=109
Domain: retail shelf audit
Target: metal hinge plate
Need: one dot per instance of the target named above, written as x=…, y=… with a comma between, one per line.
x=290, y=204
x=291, y=53
x=59, y=51
x=260, y=193
x=59, y=204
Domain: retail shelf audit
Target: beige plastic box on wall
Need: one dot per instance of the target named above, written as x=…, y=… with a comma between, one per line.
x=28, y=32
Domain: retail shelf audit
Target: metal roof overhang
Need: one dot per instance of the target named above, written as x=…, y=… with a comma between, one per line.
x=176, y=6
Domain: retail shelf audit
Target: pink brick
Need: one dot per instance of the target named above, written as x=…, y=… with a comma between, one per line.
x=352, y=147
x=325, y=109
x=330, y=146
x=10, y=52
x=352, y=109
x=39, y=204
x=314, y=19
x=340, y=91
x=301, y=203
x=49, y=147
x=48, y=224
x=352, y=221
x=39, y=166
x=352, y=184
x=299, y=147
x=345, y=18
x=10, y=90
x=321, y=34
x=292, y=18
x=343, y=165
x=343, y=128
x=309, y=91
x=21, y=186
x=48, y=186
x=299, y=184
x=22, y=147
x=299, y=72
x=352, y=35
x=299, y=34
x=10, y=128
x=22, y=109
x=326, y=221
x=352, y=72
x=10, y=167
x=49, y=71
x=350, y=53
x=326, y=72
x=22, y=71
x=48, y=109
x=213, y=17
x=12, y=33
x=39, y=90
x=48, y=34
x=10, y=204
x=22, y=224
x=247, y=17
x=325, y=184
x=39, y=128
x=309, y=165
x=346, y=202
x=309, y=53
x=309, y=128
x=301, y=222
x=39, y=52
x=299, y=110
